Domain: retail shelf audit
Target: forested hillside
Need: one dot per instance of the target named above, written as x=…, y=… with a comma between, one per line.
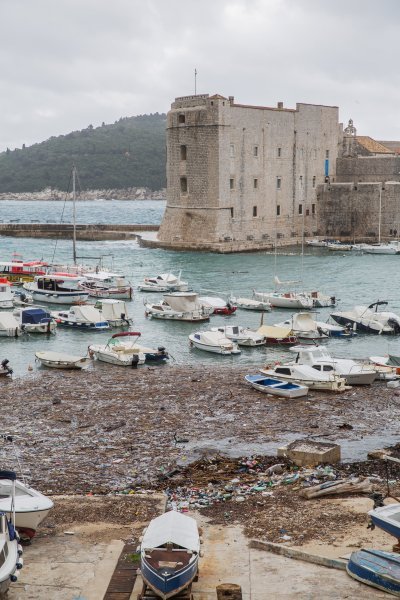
x=129, y=153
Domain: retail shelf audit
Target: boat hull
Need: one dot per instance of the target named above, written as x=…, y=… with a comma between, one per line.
x=377, y=569
x=225, y=351
x=170, y=585
x=332, y=386
x=387, y=518
x=359, y=326
x=276, y=387
x=76, y=325
x=57, y=298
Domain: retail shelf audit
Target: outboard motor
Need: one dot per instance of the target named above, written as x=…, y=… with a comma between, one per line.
x=4, y=364
x=135, y=361
x=162, y=350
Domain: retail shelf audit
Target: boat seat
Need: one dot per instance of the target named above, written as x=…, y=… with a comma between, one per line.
x=169, y=564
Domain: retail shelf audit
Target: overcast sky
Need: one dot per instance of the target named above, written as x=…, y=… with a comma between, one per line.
x=65, y=64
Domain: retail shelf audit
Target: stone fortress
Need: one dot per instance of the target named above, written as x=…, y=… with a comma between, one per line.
x=243, y=178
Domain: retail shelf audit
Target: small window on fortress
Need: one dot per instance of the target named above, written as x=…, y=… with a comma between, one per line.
x=254, y=211
x=278, y=183
x=313, y=209
x=255, y=183
x=279, y=153
x=278, y=210
x=231, y=184
x=183, y=152
x=232, y=150
x=300, y=209
x=181, y=119
x=301, y=180
x=314, y=179
x=255, y=151
x=184, y=187
x=326, y=154
x=231, y=212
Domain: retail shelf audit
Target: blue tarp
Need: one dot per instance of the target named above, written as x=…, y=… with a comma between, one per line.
x=35, y=315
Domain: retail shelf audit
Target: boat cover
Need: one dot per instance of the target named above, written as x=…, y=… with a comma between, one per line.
x=8, y=321
x=87, y=314
x=272, y=331
x=182, y=301
x=212, y=338
x=173, y=527
x=34, y=316
x=212, y=301
x=393, y=361
x=113, y=309
x=57, y=356
x=303, y=322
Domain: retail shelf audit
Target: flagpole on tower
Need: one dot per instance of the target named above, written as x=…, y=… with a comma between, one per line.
x=195, y=82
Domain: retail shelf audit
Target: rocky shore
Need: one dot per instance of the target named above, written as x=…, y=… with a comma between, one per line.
x=133, y=193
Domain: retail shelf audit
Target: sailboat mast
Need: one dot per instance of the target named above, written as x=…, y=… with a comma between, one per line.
x=74, y=214
x=380, y=214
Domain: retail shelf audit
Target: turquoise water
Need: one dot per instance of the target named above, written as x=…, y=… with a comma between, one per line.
x=352, y=278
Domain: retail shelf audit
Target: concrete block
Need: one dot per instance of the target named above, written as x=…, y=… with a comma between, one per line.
x=308, y=453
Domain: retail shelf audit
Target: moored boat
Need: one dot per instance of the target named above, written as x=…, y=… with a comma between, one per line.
x=35, y=320
x=61, y=360
x=104, y=284
x=366, y=320
x=81, y=317
x=276, y=387
x=56, y=289
x=123, y=350
x=115, y=312
x=251, y=304
x=169, y=554
x=6, y=295
x=11, y=551
x=218, y=305
x=277, y=335
x=165, y=282
x=293, y=300
x=306, y=375
x=376, y=568
x=178, y=306
x=242, y=336
x=213, y=341
x=9, y=326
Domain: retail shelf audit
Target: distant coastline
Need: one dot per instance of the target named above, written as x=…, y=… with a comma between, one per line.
x=50, y=194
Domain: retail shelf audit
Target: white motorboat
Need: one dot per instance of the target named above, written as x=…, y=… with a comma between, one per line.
x=35, y=320
x=166, y=282
x=316, y=243
x=276, y=387
x=366, y=320
x=339, y=247
x=4, y=368
x=306, y=375
x=9, y=326
x=392, y=247
x=178, y=306
x=11, y=551
x=319, y=359
x=302, y=325
x=31, y=507
x=115, y=312
x=285, y=299
x=218, y=306
x=106, y=285
x=56, y=289
x=321, y=300
x=213, y=341
x=61, y=360
x=123, y=350
x=170, y=552
x=81, y=317
x=251, y=304
x=242, y=336
x=6, y=296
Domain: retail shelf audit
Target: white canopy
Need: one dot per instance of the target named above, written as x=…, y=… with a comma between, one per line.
x=212, y=338
x=182, y=301
x=274, y=331
x=87, y=313
x=173, y=527
x=113, y=309
x=8, y=321
x=303, y=322
x=212, y=301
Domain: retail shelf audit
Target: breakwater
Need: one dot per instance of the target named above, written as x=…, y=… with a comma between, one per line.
x=93, y=231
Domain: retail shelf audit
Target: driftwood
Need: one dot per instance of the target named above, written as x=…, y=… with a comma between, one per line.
x=361, y=485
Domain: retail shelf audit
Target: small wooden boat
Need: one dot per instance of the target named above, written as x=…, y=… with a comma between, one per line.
x=377, y=569
x=169, y=554
x=277, y=387
x=60, y=360
x=387, y=518
x=11, y=560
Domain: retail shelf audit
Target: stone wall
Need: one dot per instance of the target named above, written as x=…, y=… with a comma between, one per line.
x=368, y=168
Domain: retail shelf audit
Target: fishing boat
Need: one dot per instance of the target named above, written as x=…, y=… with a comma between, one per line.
x=123, y=350
x=115, y=312
x=6, y=295
x=319, y=359
x=376, y=568
x=251, y=304
x=219, y=306
x=11, y=551
x=166, y=282
x=213, y=341
x=242, y=336
x=277, y=387
x=61, y=360
x=5, y=370
x=81, y=317
x=35, y=320
x=178, y=306
x=31, y=507
x=306, y=375
x=169, y=554
x=366, y=320
x=19, y=271
x=106, y=285
x=9, y=326
x=56, y=289
x=387, y=518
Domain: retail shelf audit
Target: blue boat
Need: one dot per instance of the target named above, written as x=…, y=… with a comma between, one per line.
x=170, y=553
x=277, y=387
x=376, y=568
x=387, y=518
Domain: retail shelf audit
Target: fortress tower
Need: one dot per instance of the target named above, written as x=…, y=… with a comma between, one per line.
x=243, y=177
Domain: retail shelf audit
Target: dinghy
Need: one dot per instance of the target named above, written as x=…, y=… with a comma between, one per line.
x=276, y=387
x=123, y=350
x=11, y=560
x=31, y=507
x=169, y=554
x=376, y=568
x=213, y=341
x=61, y=360
x=387, y=518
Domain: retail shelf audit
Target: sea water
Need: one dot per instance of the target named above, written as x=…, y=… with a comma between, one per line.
x=353, y=278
